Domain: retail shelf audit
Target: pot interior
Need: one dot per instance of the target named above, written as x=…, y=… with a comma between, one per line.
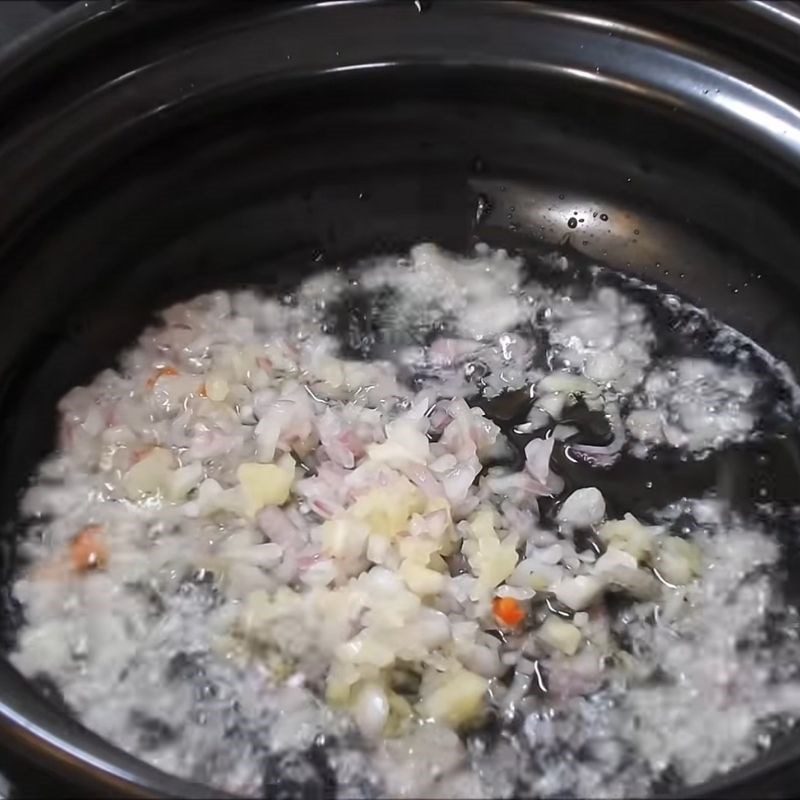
x=260, y=183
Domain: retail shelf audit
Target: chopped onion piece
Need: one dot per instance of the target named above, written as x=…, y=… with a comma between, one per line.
x=630, y=535
x=371, y=710
x=579, y=592
x=421, y=580
x=584, y=507
x=457, y=700
x=612, y=558
x=642, y=585
x=150, y=474
x=677, y=561
x=560, y=635
x=263, y=485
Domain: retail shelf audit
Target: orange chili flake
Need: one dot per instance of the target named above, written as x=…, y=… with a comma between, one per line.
x=160, y=373
x=87, y=550
x=508, y=611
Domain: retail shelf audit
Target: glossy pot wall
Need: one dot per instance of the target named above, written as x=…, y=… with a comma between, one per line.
x=151, y=151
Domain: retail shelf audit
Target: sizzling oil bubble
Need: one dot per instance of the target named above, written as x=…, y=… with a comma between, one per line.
x=482, y=208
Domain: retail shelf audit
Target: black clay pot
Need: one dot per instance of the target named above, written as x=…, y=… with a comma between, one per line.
x=153, y=150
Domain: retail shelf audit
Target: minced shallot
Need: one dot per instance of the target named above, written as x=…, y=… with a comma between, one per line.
x=262, y=536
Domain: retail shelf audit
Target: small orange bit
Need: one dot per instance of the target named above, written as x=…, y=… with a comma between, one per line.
x=508, y=611
x=87, y=550
x=161, y=373
x=202, y=392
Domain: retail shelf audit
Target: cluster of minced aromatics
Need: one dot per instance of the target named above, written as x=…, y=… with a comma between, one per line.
x=323, y=542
